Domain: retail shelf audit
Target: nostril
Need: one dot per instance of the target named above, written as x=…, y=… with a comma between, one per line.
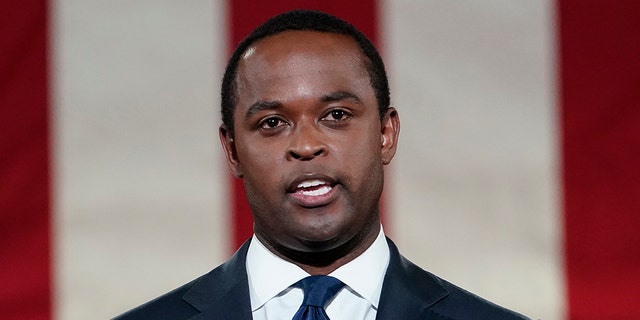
x=305, y=156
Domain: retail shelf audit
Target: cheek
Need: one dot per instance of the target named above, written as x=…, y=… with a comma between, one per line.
x=362, y=162
x=363, y=145
x=259, y=155
x=259, y=164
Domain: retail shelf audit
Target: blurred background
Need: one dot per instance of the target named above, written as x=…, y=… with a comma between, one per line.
x=516, y=178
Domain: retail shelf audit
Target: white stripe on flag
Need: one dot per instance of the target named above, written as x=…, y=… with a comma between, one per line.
x=140, y=203
x=474, y=191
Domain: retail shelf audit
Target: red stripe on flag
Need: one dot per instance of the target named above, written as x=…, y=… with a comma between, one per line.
x=244, y=16
x=600, y=90
x=25, y=283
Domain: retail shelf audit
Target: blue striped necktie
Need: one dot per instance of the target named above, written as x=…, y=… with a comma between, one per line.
x=318, y=290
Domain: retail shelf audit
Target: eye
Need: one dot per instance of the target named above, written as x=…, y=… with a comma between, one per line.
x=337, y=115
x=271, y=123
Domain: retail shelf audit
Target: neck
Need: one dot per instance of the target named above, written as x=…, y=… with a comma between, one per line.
x=325, y=262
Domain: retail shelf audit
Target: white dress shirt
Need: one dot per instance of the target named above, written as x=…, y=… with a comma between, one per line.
x=273, y=298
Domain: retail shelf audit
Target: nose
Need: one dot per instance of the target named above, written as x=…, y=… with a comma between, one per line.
x=307, y=143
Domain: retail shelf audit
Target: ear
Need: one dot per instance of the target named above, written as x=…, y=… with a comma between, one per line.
x=390, y=131
x=230, y=152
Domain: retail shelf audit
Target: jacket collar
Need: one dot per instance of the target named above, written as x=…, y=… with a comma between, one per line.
x=407, y=288
x=223, y=293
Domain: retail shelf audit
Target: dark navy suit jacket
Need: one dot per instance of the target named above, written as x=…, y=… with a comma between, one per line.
x=408, y=292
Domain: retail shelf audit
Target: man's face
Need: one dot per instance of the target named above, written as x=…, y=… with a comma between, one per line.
x=309, y=142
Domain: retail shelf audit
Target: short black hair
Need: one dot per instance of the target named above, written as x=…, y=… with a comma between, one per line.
x=307, y=20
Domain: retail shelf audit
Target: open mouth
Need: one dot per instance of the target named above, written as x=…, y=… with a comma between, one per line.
x=313, y=188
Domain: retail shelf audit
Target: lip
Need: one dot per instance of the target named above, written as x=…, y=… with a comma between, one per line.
x=319, y=190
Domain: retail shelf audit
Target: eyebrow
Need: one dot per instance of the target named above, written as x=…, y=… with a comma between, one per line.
x=275, y=104
x=262, y=105
x=339, y=96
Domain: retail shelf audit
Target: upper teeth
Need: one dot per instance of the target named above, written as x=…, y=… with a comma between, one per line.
x=311, y=183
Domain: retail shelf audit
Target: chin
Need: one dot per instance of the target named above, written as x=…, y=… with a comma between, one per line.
x=325, y=239
x=317, y=238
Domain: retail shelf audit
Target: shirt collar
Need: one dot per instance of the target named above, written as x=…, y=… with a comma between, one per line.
x=363, y=275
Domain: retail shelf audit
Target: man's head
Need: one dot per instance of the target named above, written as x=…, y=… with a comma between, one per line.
x=310, y=141
x=311, y=21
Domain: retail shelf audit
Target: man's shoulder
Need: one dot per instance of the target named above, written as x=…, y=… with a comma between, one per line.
x=438, y=298
x=462, y=304
x=212, y=289
x=170, y=305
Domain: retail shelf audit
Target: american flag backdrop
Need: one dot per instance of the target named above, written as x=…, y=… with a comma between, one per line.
x=517, y=175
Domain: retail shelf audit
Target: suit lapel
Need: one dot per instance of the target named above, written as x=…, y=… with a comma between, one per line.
x=223, y=293
x=408, y=291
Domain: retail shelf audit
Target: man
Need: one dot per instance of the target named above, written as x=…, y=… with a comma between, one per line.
x=307, y=125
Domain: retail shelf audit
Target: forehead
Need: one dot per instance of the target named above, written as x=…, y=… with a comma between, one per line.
x=298, y=49
x=297, y=64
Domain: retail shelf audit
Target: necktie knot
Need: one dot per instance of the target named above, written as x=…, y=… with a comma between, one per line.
x=318, y=290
